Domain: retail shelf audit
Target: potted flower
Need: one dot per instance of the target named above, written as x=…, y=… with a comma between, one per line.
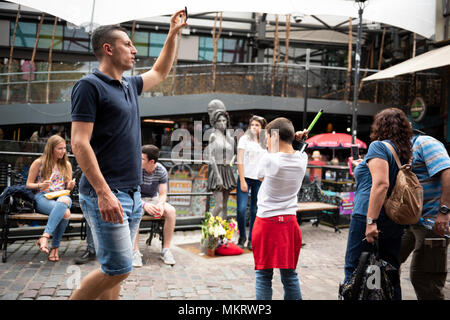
x=215, y=232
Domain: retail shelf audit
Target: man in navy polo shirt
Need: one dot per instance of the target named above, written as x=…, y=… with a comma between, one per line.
x=106, y=141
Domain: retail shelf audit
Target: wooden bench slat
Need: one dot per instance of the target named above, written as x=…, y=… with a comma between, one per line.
x=147, y=217
x=311, y=206
x=42, y=217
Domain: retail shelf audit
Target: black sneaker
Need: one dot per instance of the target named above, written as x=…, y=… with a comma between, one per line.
x=85, y=258
x=249, y=245
x=241, y=243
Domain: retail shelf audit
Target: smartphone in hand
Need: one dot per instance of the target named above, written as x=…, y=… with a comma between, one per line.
x=355, y=152
x=186, y=13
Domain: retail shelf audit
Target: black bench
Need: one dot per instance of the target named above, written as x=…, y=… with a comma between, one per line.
x=313, y=203
x=10, y=220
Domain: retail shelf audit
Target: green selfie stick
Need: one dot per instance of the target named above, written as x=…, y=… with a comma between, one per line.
x=303, y=143
x=315, y=120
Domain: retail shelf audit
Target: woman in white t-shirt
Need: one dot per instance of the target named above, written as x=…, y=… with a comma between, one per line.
x=249, y=151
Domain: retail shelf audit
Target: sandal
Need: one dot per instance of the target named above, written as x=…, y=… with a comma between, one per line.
x=54, y=257
x=42, y=248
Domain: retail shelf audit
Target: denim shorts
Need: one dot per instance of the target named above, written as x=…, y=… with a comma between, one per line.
x=114, y=241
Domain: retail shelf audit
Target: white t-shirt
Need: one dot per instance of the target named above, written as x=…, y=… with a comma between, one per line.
x=283, y=175
x=253, y=153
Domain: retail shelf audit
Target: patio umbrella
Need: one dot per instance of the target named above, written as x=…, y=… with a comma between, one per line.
x=417, y=16
x=334, y=141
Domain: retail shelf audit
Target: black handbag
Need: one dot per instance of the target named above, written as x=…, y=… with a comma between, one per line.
x=370, y=280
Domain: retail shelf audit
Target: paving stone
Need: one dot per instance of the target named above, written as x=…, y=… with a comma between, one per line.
x=320, y=269
x=64, y=293
x=10, y=296
x=30, y=294
x=175, y=293
x=47, y=292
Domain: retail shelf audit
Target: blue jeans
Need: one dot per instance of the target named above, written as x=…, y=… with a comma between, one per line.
x=242, y=199
x=56, y=224
x=89, y=239
x=389, y=238
x=114, y=241
x=289, y=279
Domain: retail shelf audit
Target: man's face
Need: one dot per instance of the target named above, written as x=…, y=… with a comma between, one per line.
x=148, y=166
x=123, y=51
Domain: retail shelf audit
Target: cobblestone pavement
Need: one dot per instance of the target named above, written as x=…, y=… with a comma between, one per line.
x=29, y=275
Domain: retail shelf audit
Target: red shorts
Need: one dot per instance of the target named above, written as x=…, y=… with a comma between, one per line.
x=276, y=242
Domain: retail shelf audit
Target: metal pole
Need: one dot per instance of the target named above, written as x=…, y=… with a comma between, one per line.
x=356, y=83
x=305, y=98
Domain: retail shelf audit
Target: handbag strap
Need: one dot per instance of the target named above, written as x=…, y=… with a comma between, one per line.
x=394, y=153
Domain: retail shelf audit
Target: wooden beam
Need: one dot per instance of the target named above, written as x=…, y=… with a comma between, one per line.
x=275, y=55
x=380, y=58
x=285, y=84
x=348, y=81
x=50, y=62
x=11, y=54
x=27, y=95
x=216, y=38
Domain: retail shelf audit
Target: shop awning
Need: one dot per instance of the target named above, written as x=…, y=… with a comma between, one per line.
x=429, y=60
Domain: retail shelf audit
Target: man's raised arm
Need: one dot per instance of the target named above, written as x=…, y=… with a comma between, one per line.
x=163, y=64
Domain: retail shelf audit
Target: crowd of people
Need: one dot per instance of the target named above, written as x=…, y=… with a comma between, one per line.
x=123, y=180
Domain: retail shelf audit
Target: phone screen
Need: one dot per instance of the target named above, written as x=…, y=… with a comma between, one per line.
x=355, y=152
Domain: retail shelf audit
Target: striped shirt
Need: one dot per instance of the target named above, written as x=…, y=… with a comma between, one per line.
x=150, y=182
x=430, y=158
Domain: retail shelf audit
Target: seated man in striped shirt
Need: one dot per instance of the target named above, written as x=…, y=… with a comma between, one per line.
x=428, y=271
x=154, y=196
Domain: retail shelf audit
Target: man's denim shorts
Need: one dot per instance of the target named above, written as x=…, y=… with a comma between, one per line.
x=114, y=241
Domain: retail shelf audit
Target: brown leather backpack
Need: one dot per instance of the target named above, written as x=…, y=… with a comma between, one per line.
x=404, y=205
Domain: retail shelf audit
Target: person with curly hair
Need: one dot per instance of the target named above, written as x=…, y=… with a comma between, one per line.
x=375, y=177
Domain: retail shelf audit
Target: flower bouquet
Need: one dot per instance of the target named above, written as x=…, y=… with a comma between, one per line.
x=216, y=231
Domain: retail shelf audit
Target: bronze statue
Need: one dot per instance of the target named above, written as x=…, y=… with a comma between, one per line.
x=221, y=179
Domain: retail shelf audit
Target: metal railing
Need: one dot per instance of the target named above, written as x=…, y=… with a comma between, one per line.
x=285, y=80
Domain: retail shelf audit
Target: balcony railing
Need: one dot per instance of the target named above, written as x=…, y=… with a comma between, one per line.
x=283, y=80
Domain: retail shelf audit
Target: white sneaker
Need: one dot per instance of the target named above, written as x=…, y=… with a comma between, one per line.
x=167, y=257
x=137, y=259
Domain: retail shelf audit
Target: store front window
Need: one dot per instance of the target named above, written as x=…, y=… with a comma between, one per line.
x=45, y=37
x=156, y=43
x=25, y=34
x=206, y=49
x=76, y=40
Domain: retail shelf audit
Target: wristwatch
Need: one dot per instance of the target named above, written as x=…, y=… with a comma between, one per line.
x=444, y=209
x=371, y=221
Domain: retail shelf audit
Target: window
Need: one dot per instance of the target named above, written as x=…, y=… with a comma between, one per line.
x=45, y=37
x=25, y=34
x=233, y=50
x=156, y=43
x=206, y=49
x=141, y=42
x=76, y=40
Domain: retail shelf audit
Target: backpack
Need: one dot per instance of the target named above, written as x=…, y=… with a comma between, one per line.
x=404, y=205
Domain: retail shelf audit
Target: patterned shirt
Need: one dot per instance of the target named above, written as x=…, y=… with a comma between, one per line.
x=56, y=178
x=151, y=182
x=430, y=158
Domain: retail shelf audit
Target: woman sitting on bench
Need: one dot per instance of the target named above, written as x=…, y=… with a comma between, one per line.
x=52, y=172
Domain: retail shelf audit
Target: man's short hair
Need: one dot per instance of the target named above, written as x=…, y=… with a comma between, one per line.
x=151, y=151
x=284, y=127
x=102, y=35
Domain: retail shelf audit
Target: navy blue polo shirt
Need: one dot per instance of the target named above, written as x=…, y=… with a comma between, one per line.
x=116, y=137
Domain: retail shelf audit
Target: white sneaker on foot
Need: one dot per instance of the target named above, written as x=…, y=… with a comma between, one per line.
x=137, y=259
x=167, y=257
